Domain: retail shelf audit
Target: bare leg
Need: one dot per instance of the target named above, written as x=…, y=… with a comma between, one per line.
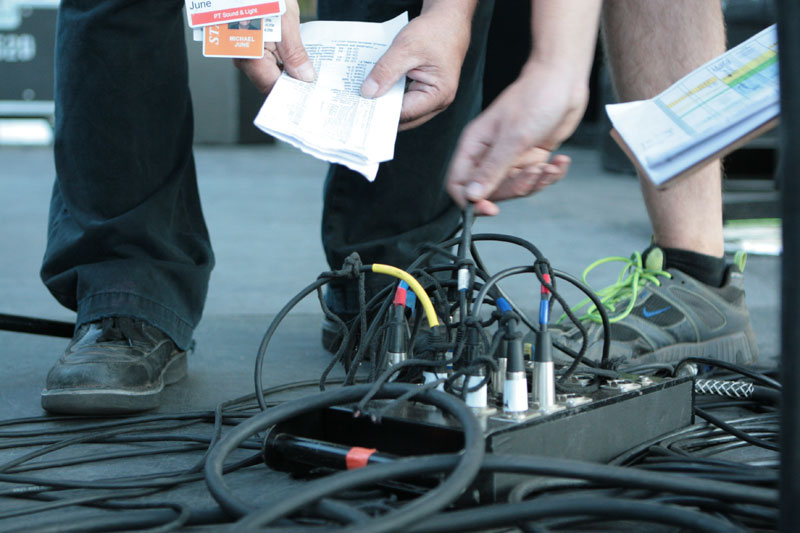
x=651, y=44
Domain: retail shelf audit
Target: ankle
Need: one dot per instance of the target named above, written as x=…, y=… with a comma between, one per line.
x=707, y=269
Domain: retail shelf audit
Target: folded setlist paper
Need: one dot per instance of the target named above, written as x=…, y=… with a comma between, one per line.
x=329, y=119
x=207, y=12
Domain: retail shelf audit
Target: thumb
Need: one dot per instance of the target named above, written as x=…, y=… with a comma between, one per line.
x=474, y=143
x=390, y=68
x=292, y=52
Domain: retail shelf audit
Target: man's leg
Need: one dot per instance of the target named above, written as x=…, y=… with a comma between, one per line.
x=386, y=221
x=126, y=233
x=650, y=45
x=689, y=302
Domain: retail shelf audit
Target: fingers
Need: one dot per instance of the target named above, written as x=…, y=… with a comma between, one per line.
x=485, y=208
x=289, y=54
x=420, y=104
x=290, y=49
x=554, y=171
x=475, y=141
x=527, y=180
x=530, y=171
x=483, y=158
x=496, y=164
x=429, y=51
x=390, y=68
x=262, y=73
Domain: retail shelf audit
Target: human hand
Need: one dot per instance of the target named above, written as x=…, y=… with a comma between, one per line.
x=429, y=51
x=506, y=151
x=289, y=54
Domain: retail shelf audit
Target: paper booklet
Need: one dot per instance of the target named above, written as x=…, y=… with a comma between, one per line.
x=704, y=115
x=328, y=118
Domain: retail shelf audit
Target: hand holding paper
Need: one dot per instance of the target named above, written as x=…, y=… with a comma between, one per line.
x=288, y=54
x=433, y=66
x=329, y=119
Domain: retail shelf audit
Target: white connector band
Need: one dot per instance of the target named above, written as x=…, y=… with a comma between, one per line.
x=477, y=399
x=515, y=393
x=430, y=377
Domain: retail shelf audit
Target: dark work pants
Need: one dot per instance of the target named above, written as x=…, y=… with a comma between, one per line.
x=126, y=232
x=407, y=205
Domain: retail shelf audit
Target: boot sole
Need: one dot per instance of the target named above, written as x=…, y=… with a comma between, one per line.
x=734, y=348
x=114, y=401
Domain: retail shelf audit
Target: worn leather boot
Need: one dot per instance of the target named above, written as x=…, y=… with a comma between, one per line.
x=114, y=365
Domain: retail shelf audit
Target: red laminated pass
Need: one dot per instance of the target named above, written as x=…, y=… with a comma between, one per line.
x=208, y=12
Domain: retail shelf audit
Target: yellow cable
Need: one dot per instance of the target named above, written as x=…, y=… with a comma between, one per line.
x=427, y=305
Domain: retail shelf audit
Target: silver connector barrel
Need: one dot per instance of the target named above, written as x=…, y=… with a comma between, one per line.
x=544, y=385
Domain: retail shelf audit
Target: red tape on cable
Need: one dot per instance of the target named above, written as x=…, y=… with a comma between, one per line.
x=358, y=457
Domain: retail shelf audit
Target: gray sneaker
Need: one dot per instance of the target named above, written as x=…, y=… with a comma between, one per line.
x=114, y=365
x=663, y=316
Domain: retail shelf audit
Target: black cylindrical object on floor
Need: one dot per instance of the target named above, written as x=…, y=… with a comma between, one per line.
x=39, y=326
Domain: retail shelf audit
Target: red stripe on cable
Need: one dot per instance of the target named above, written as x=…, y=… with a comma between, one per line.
x=400, y=296
x=358, y=457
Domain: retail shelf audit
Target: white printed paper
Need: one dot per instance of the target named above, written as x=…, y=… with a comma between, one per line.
x=328, y=118
x=705, y=111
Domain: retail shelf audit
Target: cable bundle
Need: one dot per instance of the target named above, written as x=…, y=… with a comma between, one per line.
x=444, y=334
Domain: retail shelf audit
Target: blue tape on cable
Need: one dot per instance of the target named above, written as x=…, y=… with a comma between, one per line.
x=544, y=312
x=503, y=306
x=411, y=301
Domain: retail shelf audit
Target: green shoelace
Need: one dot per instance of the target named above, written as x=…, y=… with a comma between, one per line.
x=634, y=276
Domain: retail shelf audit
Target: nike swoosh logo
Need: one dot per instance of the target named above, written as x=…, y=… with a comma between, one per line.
x=649, y=314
